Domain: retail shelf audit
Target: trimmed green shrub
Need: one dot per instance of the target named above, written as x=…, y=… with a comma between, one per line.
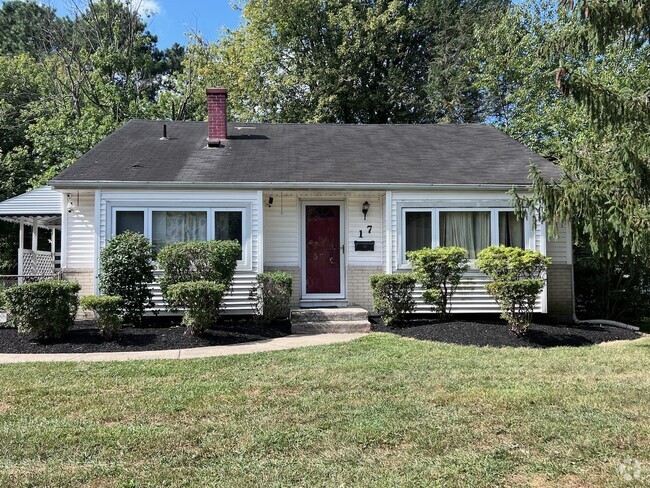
x=272, y=295
x=126, y=270
x=392, y=296
x=518, y=276
x=214, y=261
x=107, y=313
x=45, y=309
x=439, y=272
x=201, y=301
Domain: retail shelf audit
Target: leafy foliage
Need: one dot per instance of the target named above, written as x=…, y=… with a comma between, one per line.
x=213, y=261
x=45, y=309
x=201, y=301
x=615, y=288
x=439, y=271
x=23, y=25
x=107, y=313
x=348, y=61
x=272, y=295
x=517, y=276
x=126, y=270
x=392, y=296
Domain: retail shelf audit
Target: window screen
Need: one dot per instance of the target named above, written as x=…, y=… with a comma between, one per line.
x=418, y=230
x=228, y=226
x=132, y=220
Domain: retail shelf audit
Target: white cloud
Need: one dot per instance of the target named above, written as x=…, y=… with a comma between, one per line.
x=146, y=8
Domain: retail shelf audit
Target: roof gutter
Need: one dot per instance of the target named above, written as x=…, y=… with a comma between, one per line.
x=76, y=184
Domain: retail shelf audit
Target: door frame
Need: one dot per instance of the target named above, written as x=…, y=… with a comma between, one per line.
x=303, y=249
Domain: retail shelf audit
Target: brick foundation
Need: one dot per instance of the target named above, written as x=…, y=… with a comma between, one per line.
x=86, y=279
x=295, y=290
x=358, y=285
x=560, y=291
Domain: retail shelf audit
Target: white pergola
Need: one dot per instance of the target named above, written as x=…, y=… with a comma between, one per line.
x=41, y=209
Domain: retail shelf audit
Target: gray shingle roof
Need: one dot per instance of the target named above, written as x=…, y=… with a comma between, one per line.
x=309, y=153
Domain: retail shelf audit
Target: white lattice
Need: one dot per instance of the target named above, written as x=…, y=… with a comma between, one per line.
x=38, y=264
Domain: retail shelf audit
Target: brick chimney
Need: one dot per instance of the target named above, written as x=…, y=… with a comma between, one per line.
x=217, y=119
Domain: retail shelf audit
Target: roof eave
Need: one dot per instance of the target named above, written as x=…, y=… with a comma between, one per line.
x=88, y=184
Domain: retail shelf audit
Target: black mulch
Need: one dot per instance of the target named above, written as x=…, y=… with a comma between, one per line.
x=490, y=332
x=161, y=333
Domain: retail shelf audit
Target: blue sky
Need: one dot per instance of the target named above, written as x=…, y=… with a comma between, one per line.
x=174, y=18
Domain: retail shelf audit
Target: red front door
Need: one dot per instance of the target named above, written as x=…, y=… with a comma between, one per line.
x=323, y=250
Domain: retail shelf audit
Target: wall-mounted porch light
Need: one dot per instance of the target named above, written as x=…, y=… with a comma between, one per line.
x=364, y=209
x=270, y=202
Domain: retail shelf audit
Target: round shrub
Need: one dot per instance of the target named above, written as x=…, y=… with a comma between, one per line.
x=201, y=301
x=518, y=276
x=214, y=261
x=392, y=296
x=439, y=271
x=45, y=309
x=272, y=295
x=107, y=313
x=126, y=270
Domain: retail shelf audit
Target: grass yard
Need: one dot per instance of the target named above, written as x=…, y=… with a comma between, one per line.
x=380, y=411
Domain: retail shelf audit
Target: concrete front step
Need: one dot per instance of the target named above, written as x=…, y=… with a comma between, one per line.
x=325, y=314
x=329, y=320
x=331, y=327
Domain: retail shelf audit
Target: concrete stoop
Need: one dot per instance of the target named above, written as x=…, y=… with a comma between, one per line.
x=329, y=320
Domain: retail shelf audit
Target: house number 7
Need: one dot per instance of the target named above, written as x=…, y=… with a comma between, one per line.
x=369, y=229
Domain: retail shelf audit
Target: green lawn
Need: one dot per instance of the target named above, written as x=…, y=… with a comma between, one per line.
x=380, y=411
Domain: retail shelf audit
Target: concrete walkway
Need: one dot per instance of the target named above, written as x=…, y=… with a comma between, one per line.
x=278, y=344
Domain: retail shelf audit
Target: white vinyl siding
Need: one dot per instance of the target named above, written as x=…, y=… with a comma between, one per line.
x=560, y=248
x=282, y=227
x=471, y=296
x=237, y=302
x=79, y=230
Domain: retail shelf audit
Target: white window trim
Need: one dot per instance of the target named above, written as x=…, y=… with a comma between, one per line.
x=529, y=235
x=147, y=229
x=244, y=264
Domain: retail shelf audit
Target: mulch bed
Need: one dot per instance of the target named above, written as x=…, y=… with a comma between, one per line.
x=496, y=333
x=155, y=335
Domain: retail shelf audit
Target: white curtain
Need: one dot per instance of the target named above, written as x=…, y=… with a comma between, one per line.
x=469, y=230
x=179, y=227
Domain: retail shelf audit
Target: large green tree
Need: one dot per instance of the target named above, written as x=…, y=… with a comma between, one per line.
x=23, y=25
x=349, y=61
x=555, y=81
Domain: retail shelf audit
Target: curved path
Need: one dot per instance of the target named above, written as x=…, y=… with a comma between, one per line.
x=278, y=344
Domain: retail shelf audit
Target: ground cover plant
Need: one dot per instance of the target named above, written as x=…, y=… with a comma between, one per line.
x=380, y=411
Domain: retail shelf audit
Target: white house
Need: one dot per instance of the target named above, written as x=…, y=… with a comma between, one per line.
x=331, y=204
